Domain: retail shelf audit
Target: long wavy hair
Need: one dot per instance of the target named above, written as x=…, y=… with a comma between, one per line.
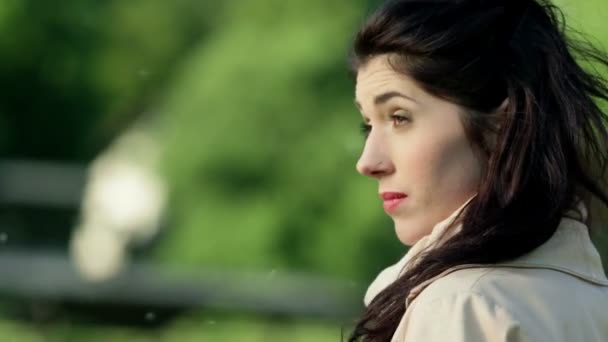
x=543, y=152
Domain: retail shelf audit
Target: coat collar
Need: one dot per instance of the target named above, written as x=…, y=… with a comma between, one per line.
x=569, y=250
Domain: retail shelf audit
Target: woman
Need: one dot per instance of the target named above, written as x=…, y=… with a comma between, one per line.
x=488, y=146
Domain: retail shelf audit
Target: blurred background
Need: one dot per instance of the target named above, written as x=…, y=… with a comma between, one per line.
x=184, y=170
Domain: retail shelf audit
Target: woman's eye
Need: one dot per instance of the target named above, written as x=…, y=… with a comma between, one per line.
x=399, y=120
x=365, y=129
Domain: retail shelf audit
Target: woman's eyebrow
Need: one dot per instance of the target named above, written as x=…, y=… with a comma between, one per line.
x=384, y=97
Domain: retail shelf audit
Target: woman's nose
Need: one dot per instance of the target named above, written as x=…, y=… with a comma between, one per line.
x=374, y=161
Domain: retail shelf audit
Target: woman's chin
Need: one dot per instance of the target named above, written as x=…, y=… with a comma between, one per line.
x=406, y=234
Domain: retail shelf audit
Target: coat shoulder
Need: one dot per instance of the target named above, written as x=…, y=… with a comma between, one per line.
x=544, y=303
x=465, y=314
x=469, y=280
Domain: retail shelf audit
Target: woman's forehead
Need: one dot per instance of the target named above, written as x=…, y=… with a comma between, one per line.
x=377, y=77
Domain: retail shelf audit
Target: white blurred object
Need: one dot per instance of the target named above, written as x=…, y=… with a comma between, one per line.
x=123, y=204
x=98, y=252
x=124, y=197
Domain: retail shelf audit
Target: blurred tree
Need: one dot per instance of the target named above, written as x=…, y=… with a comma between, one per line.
x=73, y=76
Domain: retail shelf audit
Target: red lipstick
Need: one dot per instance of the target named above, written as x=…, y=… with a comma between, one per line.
x=392, y=200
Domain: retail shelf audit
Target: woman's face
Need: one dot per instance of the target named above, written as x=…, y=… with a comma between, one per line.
x=416, y=148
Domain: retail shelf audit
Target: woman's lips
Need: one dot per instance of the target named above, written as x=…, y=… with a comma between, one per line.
x=392, y=200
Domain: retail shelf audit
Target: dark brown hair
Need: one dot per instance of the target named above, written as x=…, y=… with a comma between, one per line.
x=549, y=149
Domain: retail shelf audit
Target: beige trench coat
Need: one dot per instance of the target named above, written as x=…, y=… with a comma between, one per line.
x=556, y=293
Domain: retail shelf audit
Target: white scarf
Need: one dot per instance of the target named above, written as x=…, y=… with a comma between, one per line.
x=436, y=237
